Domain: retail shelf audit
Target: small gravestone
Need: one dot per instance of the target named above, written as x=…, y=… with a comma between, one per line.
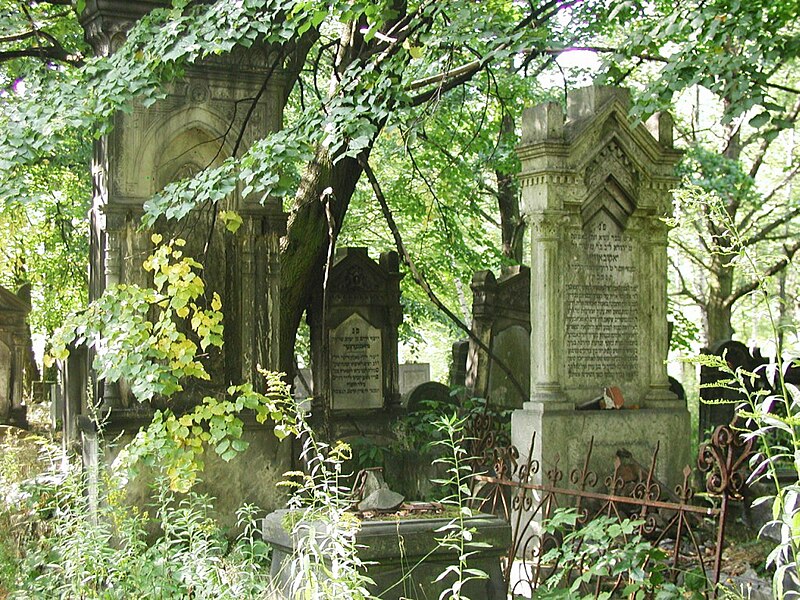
x=360, y=370
x=14, y=350
x=430, y=391
x=501, y=320
x=595, y=190
x=412, y=375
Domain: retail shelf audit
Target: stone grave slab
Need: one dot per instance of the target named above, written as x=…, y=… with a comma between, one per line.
x=356, y=365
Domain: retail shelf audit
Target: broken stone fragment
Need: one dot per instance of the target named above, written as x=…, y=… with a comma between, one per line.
x=382, y=499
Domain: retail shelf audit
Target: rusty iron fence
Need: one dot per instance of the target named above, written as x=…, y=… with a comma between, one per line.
x=687, y=524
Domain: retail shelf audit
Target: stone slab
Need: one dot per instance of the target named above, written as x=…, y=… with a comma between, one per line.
x=417, y=560
x=356, y=365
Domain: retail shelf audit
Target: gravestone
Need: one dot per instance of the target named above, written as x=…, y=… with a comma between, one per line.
x=719, y=398
x=73, y=398
x=430, y=391
x=303, y=384
x=356, y=364
x=501, y=320
x=14, y=350
x=718, y=403
x=412, y=375
x=359, y=372
x=595, y=190
x=222, y=98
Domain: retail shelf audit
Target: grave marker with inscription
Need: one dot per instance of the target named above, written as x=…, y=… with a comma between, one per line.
x=360, y=368
x=595, y=191
x=602, y=300
x=356, y=366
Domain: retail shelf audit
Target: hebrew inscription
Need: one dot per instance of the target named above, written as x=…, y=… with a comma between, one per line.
x=602, y=303
x=355, y=364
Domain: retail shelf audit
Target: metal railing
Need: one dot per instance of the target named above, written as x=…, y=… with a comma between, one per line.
x=690, y=535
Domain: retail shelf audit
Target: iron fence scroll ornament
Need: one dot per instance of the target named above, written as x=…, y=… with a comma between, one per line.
x=505, y=484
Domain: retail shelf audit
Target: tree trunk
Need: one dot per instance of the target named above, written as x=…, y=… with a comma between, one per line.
x=718, y=310
x=511, y=225
x=718, y=305
x=304, y=250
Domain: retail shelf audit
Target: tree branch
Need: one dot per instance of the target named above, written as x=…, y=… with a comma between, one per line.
x=776, y=267
x=459, y=75
x=685, y=291
x=791, y=117
x=761, y=234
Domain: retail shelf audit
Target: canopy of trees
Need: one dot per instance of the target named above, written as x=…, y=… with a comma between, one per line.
x=401, y=119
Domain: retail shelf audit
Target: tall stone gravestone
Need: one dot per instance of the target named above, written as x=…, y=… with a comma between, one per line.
x=195, y=127
x=595, y=190
x=356, y=370
x=14, y=349
x=501, y=320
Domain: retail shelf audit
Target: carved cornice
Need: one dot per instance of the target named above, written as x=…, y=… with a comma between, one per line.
x=105, y=22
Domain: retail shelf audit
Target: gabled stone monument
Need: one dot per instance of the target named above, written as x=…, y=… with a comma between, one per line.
x=595, y=190
x=501, y=319
x=195, y=127
x=356, y=367
x=14, y=349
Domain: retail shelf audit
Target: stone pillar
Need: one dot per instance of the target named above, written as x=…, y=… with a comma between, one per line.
x=659, y=393
x=14, y=352
x=112, y=271
x=547, y=318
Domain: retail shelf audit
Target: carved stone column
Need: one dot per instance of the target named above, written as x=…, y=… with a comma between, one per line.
x=547, y=313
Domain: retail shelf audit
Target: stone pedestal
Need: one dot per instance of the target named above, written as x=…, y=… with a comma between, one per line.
x=403, y=557
x=595, y=190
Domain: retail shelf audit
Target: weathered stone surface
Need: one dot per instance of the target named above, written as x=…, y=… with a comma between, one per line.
x=391, y=549
x=431, y=391
x=358, y=371
x=382, y=499
x=412, y=375
x=195, y=127
x=501, y=320
x=356, y=365
x=595, y=189
x=458, y=368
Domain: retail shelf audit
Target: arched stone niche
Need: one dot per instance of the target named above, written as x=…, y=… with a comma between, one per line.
x=193, y=128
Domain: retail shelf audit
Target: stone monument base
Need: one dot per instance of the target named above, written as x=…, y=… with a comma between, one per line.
x=563, y=435
x=403, y=557
x=251, y=477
